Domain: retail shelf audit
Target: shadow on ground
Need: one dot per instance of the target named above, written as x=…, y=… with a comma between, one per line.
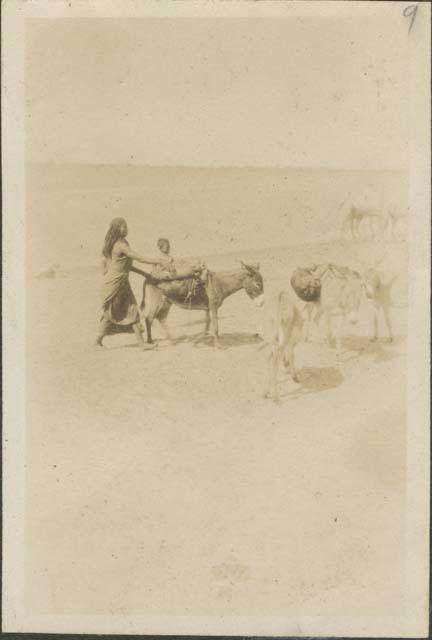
x=226, y=340
x=313, y=380
x=200, y=321
x=382, y=349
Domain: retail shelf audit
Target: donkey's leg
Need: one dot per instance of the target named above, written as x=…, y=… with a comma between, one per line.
x=318, y=315
x=375, y=323
x=165, y=328
x=340, y=325
x=270, y=386
x=357, y=230
x=268, y=374
x=330, y=338
x=137, y=330
x=215, y=326
x=290, y=354
x=143, y=302
x=311, y=308
x=162, y=319
x=275, y=362
x=207, y=321
x=308, y=309
x=387, y=318
x=151, y=307
x=148, y=322
x=154, y=309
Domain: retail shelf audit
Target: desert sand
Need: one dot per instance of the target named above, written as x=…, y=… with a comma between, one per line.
x=163, y=483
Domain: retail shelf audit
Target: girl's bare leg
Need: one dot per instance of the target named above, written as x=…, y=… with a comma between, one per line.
x=102, y=332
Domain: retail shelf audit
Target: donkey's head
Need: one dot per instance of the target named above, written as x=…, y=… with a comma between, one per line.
x=253, y=283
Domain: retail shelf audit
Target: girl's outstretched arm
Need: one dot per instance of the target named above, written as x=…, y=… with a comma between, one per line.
x=127, y=251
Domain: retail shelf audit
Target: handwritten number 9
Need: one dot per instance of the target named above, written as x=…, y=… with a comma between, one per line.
x=410, y=12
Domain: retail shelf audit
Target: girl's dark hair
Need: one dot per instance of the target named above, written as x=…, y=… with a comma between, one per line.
x=113, y=234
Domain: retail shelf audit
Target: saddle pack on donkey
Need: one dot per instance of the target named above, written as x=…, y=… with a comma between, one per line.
x=306, y=282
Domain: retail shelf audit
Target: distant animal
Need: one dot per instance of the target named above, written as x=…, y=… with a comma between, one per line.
x=204, y=292
x=363, y=223
x=286, y=333
x=339, y=301
x=393, y=222
x=378, y=291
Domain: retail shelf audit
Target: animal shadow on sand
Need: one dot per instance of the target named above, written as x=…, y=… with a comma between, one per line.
x=129, y=345
x=226, y=340
x=314, y=380
x=199, y=322
x=382, y=349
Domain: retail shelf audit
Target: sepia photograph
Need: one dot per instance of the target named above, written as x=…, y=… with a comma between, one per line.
x=216, y=317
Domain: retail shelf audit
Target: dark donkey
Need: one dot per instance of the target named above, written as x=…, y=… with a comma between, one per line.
x=205, y=292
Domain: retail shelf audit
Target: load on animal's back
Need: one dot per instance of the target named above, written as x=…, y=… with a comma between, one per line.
x=306, y=282
x=330, y=290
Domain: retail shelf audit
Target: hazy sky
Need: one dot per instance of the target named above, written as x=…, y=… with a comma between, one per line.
x=317, y=92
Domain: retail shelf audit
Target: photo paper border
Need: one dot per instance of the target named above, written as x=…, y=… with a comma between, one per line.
x=413, y=622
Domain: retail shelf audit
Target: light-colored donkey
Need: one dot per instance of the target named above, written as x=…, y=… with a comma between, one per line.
x=285, y=332
x=339, y=302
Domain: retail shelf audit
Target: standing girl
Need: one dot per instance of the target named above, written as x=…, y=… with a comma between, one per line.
x=120, y=309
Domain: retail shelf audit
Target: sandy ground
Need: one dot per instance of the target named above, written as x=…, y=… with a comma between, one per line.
x=163, y=483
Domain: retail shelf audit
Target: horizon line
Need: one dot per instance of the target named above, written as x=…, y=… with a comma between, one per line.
x=206, y=167
x=234, y=252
